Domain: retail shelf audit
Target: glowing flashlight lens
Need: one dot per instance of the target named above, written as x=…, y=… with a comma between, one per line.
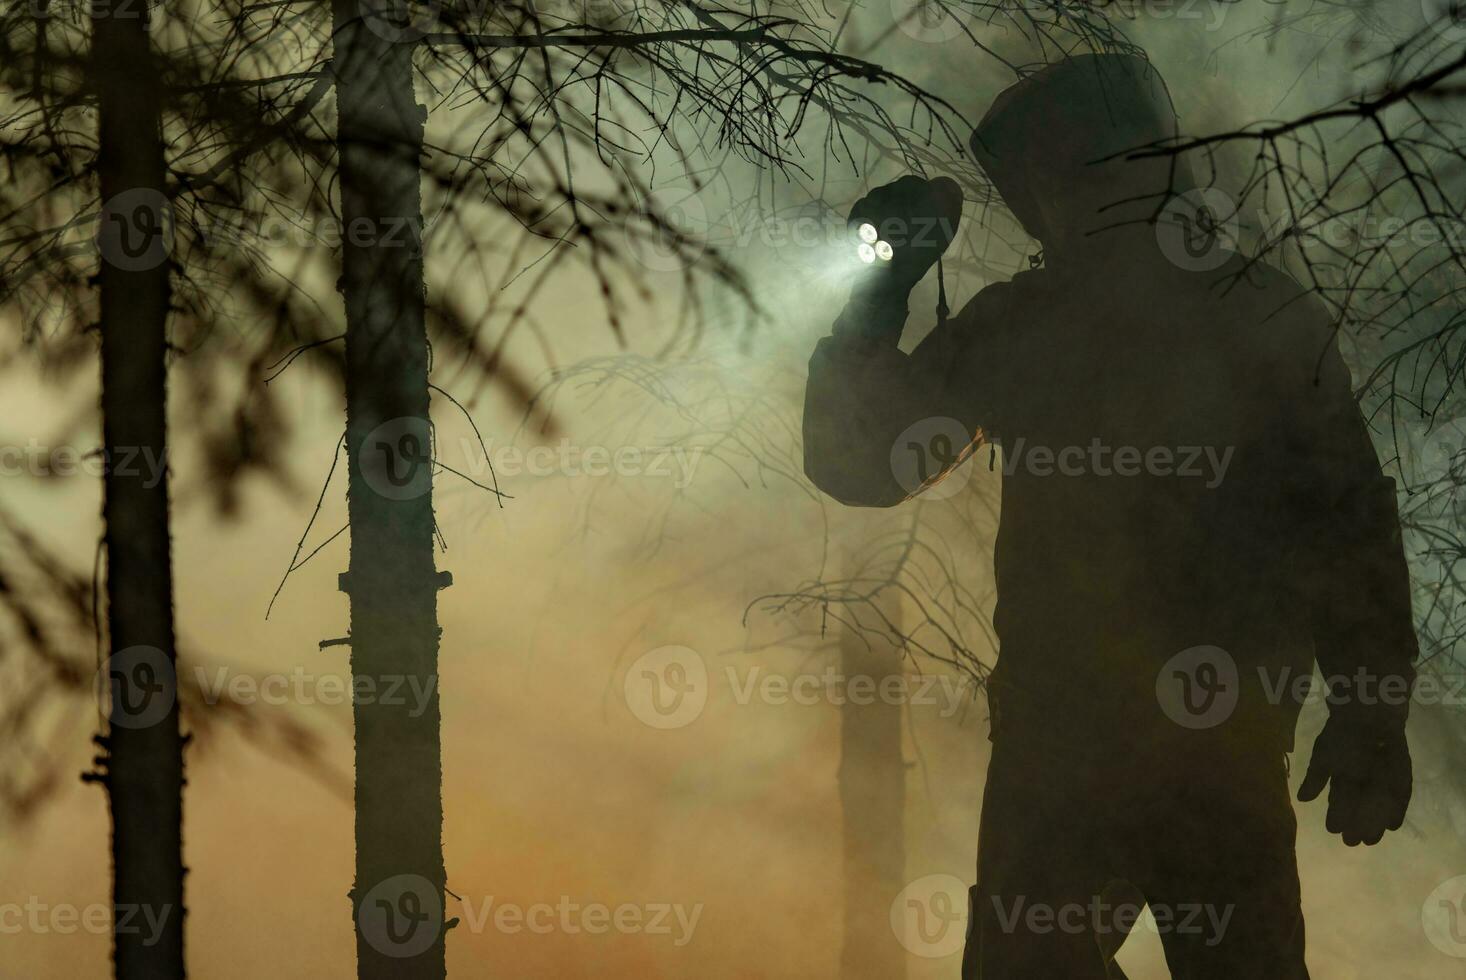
x=884, y=251
x=868, y=234
x=867, y=254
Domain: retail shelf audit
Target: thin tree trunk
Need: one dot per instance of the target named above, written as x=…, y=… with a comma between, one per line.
x=142, y=759
x=397, y=899
x=872, y=780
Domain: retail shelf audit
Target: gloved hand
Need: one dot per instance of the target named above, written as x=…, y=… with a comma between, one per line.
x=919, y=218
x=1370, y=777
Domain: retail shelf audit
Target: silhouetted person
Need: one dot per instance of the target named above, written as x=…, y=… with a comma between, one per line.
x=1192, y=513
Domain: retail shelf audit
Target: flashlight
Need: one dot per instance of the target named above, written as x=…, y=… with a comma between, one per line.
x=871, y=247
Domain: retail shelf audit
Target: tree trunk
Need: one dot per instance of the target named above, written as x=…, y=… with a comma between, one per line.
x=397, y=899
x=872, y=780
x=142, y=759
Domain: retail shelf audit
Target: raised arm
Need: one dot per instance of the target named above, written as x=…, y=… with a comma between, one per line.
x=864, y=394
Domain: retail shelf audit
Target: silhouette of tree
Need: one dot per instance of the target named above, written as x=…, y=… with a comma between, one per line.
x=571, y=97
x=142, y=757
x=91, y=254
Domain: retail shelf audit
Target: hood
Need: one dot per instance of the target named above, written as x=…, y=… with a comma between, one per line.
x=1051, y=129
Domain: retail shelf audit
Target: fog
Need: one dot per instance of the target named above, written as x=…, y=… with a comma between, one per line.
x=640, y=525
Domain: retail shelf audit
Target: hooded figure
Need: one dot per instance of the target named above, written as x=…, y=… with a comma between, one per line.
x=1192, y=515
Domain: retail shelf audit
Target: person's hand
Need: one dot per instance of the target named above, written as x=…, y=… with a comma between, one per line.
x=1369, y=777
x=918, y=218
